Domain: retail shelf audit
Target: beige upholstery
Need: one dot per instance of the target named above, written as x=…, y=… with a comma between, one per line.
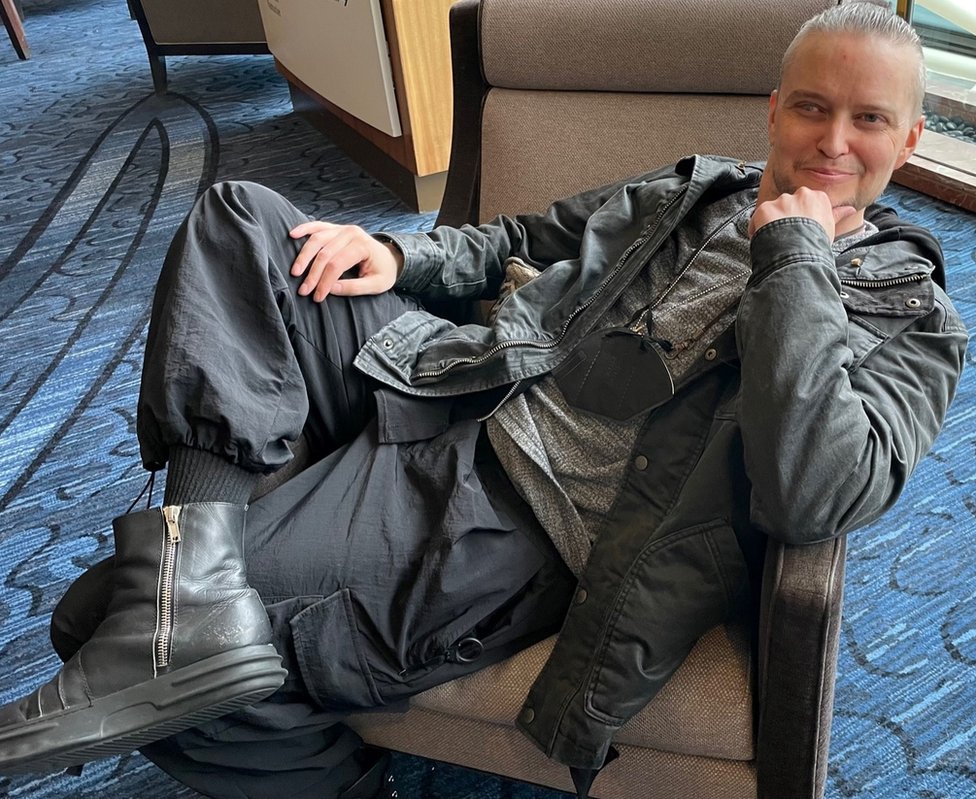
x=639, y=773
x=553, y=97
x=717, y=674
x=700, y=724
x=709, y=46
x=541, y=143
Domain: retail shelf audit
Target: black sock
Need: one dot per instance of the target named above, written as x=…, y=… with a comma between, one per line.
x=194, y=475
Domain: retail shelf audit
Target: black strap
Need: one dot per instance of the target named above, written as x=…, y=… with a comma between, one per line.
x=583, y=777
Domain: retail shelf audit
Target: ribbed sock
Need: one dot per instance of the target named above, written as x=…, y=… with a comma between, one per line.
x=194, y=475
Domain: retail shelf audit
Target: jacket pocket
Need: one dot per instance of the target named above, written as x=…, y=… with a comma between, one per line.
x=402, y=417
x=863, y=338
x=680, y=587
x=331, y=655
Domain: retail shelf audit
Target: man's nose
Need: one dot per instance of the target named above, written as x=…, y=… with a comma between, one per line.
x=834, y=138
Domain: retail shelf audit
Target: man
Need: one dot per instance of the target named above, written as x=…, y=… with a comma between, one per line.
x=709, y=354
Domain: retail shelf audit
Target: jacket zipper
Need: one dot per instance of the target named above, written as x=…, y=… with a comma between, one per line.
x=552, y=343
x=502, y=401
x=167, y=587
x=884, y=283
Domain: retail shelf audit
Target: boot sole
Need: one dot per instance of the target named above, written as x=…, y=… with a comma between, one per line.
x=121, y=722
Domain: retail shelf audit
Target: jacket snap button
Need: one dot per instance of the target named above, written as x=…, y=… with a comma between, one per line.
x=387, y=343
x=581, y=596
x=844, y=295
x=528, y=715
x=640, y=462
x=913, y=302
x=711, y=354
x=856, y=262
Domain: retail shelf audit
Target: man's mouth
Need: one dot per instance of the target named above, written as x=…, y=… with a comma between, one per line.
x=828, y=174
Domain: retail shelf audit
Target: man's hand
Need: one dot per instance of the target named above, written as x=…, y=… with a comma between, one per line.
x=331, y=250
x=804, y=202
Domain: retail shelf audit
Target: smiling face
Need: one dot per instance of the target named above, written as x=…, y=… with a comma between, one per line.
x=843, y=119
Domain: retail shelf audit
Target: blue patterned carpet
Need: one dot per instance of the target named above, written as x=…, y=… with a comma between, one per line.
x=95, y=174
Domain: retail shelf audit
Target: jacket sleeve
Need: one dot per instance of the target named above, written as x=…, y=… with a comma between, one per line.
x=469, y=262
x=829, y=447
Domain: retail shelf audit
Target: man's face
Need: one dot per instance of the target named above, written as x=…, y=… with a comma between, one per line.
x=842, y=120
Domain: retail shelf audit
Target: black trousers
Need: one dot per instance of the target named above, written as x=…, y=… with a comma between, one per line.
x=386, y=568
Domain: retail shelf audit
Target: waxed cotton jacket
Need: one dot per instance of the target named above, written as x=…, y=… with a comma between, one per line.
x=803, y=421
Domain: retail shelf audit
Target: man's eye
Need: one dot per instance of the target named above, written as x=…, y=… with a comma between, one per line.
x=873, y=119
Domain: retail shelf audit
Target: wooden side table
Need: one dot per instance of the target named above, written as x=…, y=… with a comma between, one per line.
x=412, y=162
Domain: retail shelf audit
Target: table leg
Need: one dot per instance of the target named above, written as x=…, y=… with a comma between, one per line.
x=11, y=21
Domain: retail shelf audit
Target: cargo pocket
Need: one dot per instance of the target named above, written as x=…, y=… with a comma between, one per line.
x=331, y=655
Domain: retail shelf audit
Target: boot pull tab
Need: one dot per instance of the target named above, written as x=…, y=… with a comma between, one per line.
x=171, y=513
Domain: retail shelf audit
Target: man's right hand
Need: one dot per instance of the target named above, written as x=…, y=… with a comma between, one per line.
x=332, y=250
x=804, y=202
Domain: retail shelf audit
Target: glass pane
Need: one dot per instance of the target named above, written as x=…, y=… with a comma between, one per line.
x=945, y=161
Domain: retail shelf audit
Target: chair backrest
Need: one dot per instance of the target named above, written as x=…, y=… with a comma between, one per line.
x=555, y=106
x=204, y=22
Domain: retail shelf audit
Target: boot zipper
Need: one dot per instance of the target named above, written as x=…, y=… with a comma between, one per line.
x=167, y=587
x=646, y=234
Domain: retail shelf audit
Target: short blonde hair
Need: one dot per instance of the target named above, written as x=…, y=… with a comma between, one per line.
x=864, y=18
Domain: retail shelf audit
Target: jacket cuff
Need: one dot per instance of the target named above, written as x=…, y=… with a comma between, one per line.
x=792, y=240
x=421, y=260
x=575, y=742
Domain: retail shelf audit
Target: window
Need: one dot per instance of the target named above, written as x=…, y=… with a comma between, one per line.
x=945, y=163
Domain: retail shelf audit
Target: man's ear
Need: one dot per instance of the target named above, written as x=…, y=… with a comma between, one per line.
x=771, y=119
x=911, y=142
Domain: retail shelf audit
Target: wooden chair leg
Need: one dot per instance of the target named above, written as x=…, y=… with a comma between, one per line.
x=11, y=21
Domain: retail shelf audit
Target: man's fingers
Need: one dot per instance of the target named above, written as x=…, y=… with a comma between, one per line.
x=308, y=228
x=355, y=286
x=320, y=234
x=326, y=268
x=318, y=251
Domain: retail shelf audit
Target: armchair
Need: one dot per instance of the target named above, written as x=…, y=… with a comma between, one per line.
x=551, y=98
x=196, y=27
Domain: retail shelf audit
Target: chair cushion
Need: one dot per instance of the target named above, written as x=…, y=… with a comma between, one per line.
x=639, y=773
x=705, y=709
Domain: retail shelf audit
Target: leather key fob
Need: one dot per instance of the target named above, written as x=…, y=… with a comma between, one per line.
x=614, y=373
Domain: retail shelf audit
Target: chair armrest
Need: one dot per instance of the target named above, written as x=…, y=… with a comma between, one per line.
x=460, y=203
x=799, y=632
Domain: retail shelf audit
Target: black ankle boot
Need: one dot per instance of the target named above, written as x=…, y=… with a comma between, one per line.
x=184, y=640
